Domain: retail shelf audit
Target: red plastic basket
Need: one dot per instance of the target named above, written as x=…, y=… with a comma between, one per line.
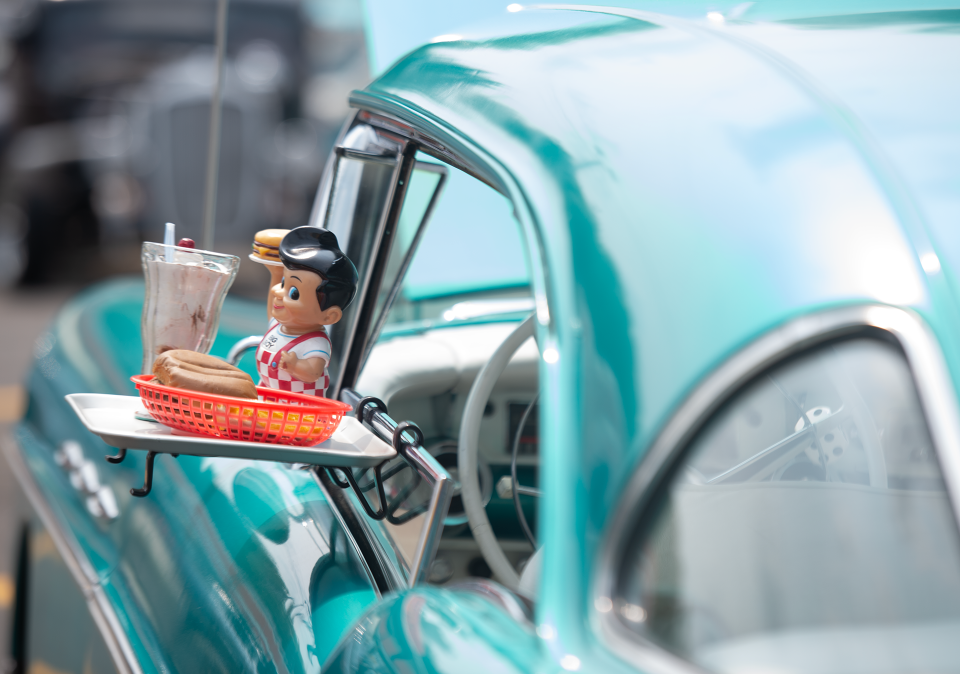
x=279, y=417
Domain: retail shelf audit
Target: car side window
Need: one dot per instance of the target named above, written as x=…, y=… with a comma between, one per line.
x=807, y=527
x=457, y=260
x=461, y=244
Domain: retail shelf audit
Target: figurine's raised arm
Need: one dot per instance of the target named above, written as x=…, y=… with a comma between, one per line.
x=266, y=250
x=316, y=283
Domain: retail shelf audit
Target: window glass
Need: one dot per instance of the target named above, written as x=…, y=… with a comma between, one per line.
x=474, y=244
x=426, y=182
x=807, y=528
x=470, y=261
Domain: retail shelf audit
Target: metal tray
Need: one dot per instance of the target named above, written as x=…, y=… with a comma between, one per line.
x=112, y=418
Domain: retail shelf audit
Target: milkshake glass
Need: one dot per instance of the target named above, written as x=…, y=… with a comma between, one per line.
x=184, y=296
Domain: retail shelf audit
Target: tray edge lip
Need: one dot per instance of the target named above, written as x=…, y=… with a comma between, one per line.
x=71, y=399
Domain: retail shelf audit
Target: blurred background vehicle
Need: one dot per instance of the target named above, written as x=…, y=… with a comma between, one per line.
x=104, y=115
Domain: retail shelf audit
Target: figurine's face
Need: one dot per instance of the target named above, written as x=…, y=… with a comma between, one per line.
x=294, y=302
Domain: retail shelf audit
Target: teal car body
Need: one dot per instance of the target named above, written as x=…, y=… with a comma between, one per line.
x=685, y=186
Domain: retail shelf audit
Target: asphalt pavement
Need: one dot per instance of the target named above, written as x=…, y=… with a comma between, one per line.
x=24, y=315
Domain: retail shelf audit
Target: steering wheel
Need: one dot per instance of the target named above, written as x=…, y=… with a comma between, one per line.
x=468, y=448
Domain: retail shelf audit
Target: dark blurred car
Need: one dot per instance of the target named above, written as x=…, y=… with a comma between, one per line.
x=109, y=138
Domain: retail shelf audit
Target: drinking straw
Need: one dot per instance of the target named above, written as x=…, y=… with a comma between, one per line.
x=169, y=241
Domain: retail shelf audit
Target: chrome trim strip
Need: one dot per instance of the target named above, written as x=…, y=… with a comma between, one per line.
x=382, y=244
x=372, y=111
x=349, y=535
x=360, y=155
x=441, y=141
x=318, y=210
x=435, y=516
x=101, y=610
x=408, y=256
x=938, y=398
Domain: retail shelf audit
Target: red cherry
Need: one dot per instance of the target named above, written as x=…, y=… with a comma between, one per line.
x=186, y=243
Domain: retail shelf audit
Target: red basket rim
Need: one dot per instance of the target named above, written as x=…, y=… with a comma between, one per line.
x=308, y=400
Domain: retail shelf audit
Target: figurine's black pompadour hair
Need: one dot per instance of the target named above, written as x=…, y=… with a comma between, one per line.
x=316, y=249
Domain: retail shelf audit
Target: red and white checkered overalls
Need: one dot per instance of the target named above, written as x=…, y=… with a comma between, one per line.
x=274, y=343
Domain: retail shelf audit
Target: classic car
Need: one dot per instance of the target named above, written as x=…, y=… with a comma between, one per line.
x=659, y=314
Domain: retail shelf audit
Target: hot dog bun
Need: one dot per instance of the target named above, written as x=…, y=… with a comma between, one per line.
x=266, y=245
x=199, y=372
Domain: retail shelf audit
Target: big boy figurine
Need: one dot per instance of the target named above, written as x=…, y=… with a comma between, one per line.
x=317, y=283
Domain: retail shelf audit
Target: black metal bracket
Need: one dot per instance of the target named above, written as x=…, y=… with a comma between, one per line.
x=147, y=472
x=118, y=457
x=401, y=446
x=378, y=405
x=386, y=475
x=403, y=496
x=336, y=480
x=387, y=508
x=147, y=477
x=381, y=512
x=398, y=442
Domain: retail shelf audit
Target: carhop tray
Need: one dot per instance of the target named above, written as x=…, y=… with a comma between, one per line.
x=112, y=417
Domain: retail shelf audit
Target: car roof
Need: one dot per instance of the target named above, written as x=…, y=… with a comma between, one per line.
x=395, y=29
x=693, y=183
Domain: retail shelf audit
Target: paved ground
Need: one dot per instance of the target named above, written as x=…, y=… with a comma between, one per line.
x=25, y=314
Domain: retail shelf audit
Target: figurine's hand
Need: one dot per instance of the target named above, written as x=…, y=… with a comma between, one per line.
x=288, y=361
x=304, y=369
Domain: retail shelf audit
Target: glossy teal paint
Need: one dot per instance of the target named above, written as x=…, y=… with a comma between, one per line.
x=691, y=187
x=443, y=631
x=395, y=29
x=227, y=565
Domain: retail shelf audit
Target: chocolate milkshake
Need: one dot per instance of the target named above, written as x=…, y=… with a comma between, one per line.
x=185, y=289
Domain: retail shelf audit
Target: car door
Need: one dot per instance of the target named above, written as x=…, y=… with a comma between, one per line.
x=796, y=514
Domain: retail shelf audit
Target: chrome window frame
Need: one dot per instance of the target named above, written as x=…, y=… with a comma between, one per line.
x=398, y=155
x=938, y=401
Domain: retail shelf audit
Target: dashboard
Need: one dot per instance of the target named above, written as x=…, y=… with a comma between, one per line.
x=426, y=378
